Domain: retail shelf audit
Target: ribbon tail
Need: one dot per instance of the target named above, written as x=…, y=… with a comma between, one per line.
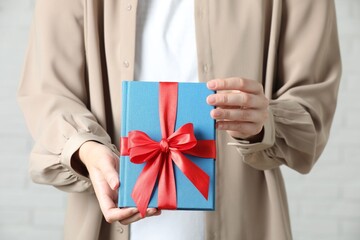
x=167, y=186
x=144, y=186
x=195, y=174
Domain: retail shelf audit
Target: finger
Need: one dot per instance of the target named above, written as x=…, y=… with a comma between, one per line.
x=242, y=129
x=136, y=217
x=105, y=195
x=107, y=202
x=237, y=99
x=241, y=84
x=108, y=168
x=117, y=214
x=240, y=115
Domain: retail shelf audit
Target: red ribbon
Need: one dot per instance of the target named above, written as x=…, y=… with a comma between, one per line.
x=159, y=156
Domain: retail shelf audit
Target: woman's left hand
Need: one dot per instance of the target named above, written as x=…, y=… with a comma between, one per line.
x=241, y=107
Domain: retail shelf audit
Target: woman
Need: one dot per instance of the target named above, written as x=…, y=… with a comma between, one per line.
x=81, y=50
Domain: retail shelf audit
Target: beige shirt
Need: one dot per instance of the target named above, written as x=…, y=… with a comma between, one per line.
x=81, y=50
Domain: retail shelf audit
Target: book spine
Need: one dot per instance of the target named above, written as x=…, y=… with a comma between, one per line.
x=124, y=109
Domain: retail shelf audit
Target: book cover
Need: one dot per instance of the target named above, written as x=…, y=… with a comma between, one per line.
x=140, y=112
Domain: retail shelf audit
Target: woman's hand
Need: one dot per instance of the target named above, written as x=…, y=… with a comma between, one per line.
x=241, y=108
x=102, y=165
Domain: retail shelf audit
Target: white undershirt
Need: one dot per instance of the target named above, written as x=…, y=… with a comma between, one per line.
x=166, y=51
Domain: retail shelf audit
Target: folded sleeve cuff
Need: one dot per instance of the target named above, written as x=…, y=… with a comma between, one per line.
x=75, y=142
x=259, y=155
x=268, y=140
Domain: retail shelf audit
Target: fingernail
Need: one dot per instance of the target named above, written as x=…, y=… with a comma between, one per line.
x=217, y=113
x=158, y=212
x=135, y=210
x=151, y=211
x=211, y=84
x=211, y=99
x=114, y=183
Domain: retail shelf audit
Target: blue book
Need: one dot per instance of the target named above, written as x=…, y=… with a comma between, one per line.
x=140, y=112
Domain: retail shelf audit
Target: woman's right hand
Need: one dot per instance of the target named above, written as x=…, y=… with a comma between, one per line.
x=103, y=165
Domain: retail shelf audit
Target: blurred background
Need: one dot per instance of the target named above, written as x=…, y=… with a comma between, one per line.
x=324, y=205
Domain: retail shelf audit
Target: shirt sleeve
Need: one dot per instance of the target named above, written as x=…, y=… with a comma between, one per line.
x=305, y=89
x=53, y=95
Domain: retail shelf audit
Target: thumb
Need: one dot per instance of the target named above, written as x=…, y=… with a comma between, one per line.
x=110, y=172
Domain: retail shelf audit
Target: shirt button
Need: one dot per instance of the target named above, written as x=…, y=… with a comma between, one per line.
x=129, y=7
x=119, y=229
x=200, y=14
x=126, y=64
x=205, y=68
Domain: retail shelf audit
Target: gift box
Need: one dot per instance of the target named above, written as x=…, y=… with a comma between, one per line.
x=167, y=157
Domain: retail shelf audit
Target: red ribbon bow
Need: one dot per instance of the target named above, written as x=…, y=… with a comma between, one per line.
x=159, y=156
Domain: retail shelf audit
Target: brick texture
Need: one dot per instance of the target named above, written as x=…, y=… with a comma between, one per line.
x=324, y=204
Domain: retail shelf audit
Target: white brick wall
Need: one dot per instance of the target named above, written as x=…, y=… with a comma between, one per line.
x=324, y=204
x=27, y=211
